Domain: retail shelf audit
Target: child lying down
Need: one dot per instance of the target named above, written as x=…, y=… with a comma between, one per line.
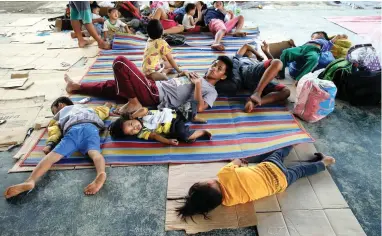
x=78, y=128
x=152, y=124
x=239, y=183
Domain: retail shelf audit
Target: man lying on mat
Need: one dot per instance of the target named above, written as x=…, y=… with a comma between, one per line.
x=239, y=183
x=131, y=85
x=80, y=132
x=255, y=74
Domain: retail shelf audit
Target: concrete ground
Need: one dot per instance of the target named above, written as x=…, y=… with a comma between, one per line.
x=133, y=199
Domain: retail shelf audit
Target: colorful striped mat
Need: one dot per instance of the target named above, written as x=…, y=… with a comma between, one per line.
x=235, y=134
x=127, y=41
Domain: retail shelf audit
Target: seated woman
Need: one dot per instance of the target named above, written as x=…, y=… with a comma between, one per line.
x=162, y=13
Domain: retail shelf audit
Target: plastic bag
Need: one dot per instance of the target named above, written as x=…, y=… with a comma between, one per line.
x=315, y=98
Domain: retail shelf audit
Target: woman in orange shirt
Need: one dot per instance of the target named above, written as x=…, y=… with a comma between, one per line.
x=239, y=183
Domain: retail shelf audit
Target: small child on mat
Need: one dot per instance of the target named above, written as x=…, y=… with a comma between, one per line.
x=157, y=58
x=114, y=25
x=79, y=128
x=152, y=124
x=239, y=183
x=188, y=21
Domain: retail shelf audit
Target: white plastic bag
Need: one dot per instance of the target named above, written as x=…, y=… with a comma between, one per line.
x=315, y=98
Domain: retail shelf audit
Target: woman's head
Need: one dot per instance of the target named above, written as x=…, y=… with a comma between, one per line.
x=202, y=198
x=113, y=13
x=60, y=103
x=218, y=4
x=220, y=69
x=154, y=29
x=320, y=35
x=124, y=126
x=190, y=9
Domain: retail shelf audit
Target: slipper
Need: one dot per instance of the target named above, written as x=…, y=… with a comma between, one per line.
x=2, y=122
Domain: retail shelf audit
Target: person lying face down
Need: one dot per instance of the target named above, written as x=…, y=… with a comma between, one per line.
x=239, y=183
x=163, y=125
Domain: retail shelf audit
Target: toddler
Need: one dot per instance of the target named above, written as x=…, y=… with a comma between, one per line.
x=152, y=124
x=79, y=128
x=113, y=25
x=157, y=58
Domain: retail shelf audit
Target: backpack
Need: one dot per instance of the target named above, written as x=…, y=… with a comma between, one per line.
x=315, y=98
x=364, y=57
x=360, y=88
x=336, y=70
x=175, y=39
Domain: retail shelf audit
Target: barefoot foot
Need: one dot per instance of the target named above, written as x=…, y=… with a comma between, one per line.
x=73, y=35
x=71, y=85
x=249, y=106
x=83, y=43
x=17, y=189
x=96, y=185
x=104, y=45
x=240, y=34
x=129, y=107
x=208, y=134
x=218, y=47
x=328, y=160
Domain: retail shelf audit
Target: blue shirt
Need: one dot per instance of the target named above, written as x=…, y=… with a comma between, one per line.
x=212, y=13
x=326, y=45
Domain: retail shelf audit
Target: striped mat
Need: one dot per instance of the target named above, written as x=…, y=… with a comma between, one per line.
x=126, y=41
x=235, y=134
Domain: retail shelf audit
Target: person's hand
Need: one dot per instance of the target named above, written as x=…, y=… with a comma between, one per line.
x=47, y=149
x=265, y=46
x=198, y=6
x=183, y=73
x=173, y=142
x=194, y=78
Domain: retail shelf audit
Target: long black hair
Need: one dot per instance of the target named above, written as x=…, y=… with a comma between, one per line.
x=321, y=32
x=201, y=199
x=116, y=128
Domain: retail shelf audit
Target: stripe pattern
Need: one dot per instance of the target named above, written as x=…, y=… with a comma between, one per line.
x=235, y=134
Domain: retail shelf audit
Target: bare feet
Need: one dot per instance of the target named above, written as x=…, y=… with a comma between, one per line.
x=71, y=85
x=240, y=34
x=208, y=134
x=129, y=108
x=19, y=188
x=83, y=43
x=218, y=47
x=96, y=185
x=328, y=160
x=249, y=106
x=73, y=35
x=104, y=45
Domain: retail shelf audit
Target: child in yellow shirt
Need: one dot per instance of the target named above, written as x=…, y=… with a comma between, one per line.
x=157, y=58
x=73, y=128
x=239, y=183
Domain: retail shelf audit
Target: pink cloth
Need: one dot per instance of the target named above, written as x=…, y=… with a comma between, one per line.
x=168, y=24
x=215, y=25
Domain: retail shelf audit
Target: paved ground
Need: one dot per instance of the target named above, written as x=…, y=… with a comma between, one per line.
x=133, y=199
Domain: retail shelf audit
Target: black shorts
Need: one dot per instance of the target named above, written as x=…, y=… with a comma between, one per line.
x=179, y=130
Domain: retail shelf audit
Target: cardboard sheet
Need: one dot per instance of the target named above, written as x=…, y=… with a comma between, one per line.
x=222, y=217
x=180, y=179
x=12, y=83
x=18, y=122
x=29, y=143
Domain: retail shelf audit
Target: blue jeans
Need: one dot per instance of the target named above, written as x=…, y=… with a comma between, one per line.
x=295, y=172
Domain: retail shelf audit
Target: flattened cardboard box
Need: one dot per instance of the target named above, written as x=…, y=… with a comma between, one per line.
x=180, y=179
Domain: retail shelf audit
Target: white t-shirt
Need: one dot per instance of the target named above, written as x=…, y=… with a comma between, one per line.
x=186, y=22
x=117, y=27
x=95, y=16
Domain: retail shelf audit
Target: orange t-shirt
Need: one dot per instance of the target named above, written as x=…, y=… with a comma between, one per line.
x=244, y=184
